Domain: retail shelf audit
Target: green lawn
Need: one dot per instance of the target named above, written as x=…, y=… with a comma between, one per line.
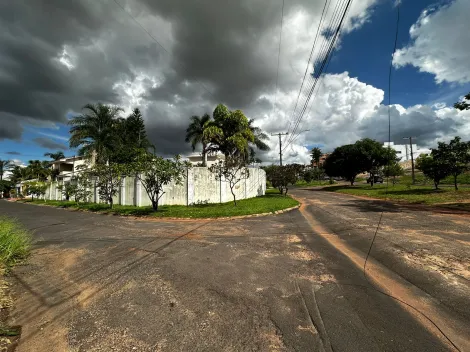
x=302, y=183
x=411, y=194
x=15, y=241
x=265, y=204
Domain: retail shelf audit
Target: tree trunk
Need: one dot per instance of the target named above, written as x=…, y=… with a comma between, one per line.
x=155, y=205
x=204, y=155
x=436, y=183
x=111, y=202
x=455, y=182
x=234, y=198
x=285, y=193
x=371, y=180
x=352, y=182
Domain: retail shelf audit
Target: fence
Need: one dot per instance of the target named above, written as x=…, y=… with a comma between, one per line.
x=199, y=186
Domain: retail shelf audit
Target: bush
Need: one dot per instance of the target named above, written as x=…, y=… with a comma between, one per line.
x=15, y=241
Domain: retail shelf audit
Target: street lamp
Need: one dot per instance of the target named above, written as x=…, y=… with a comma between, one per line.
x=412, y=159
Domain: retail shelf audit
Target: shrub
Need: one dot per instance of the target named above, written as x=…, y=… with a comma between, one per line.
x=15, y=241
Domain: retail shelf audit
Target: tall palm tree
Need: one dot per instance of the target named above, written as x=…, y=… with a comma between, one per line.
x=5, y=165
x=55, y=156
x=94, y=132
x=259, y=139
x=195, y=134
x=37, y=169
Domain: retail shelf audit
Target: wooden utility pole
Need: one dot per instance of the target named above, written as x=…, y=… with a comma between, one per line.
x=280, y=134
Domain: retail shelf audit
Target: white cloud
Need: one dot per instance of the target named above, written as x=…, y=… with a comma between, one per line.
x=440, y=43
x=346, y=110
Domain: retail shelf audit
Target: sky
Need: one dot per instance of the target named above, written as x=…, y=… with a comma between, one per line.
x=174, y=59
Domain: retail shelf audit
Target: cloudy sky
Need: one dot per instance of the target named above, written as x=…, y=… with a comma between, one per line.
x=59, y=55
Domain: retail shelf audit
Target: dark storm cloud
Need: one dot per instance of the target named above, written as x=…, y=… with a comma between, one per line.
x=49, y=144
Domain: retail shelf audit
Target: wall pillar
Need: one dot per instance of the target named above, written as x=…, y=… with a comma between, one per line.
x=137, y=192
x=190, y=187
x=122, y=192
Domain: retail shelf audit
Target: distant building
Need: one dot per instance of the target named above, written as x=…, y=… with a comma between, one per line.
x=404, y=150
x=321, y=161
x=65, y=168
x=196, y=159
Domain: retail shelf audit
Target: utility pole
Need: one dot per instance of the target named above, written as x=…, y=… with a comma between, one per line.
x=280, y=134
x=412, y=159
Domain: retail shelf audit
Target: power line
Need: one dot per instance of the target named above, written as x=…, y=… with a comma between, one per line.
x=325, y=60
x=278, y=58
x=324, y=52
x=156, y=41
x=310, y=57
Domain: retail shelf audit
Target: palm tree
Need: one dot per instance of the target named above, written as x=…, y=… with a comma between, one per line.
x=195, y=134
x=37, y=169
x=5, y=165
x=316, y=154
x=260, y=136
x=94, y=132
x=55, y=156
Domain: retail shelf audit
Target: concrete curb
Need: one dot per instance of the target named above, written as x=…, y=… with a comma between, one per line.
x=145, y=217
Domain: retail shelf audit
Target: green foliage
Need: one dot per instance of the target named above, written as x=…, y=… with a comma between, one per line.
x=455, y=156
x=195, y=134
x=108, y=179
x=68, y=189
x=393, y=170
x=283, y=176
x=464, y=104
x=316, y=154
x=366, y=155
x=5, y=187
x=5, y=165
x=35, y=189
x=310, y=174
x=15, y=241
x=433, y=168
x=263, y=204
x=55, y=156
x=154, y=172
x=84, y=185
x=230, y=132
x=231, y=170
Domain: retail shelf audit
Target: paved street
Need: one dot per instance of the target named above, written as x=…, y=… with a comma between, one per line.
x=290, y=282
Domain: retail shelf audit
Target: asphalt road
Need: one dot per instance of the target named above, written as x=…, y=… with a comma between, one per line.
x=290, y=282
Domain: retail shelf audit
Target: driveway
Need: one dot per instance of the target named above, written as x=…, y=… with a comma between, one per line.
x=290, y=282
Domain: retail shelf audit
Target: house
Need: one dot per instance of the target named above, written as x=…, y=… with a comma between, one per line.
x=196, y=159
x=404, y=150
x=64, y=169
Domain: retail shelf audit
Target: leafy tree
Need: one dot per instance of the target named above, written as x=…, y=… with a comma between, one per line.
x=36, y=188
x=393, y=170
x=131, y=138
x=229, y=133
x=154, y=172
x=464, y=104
x=231, y=170
x=68, y=189
x=17, y=173
x=435, y=169
x=344, y=162
x=5, y=187
x=83, y=192
x=108, y=179
x=55, y=156
x=5, y=165
x=196, y=133
x=456, y=155
x=94, y=131
x=372, y=155
x=316, y=154
x=282, y=176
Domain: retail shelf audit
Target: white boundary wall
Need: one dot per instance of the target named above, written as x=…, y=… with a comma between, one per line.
x=199, y=186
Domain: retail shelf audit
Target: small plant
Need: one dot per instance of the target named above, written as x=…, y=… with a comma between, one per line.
x=35, y=188
x=15, y=241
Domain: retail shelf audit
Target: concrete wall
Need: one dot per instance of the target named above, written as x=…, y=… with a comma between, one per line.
x=199, y=186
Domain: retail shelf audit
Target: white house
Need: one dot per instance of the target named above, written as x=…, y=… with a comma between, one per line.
x=68, y=167
x=211, y=159
x=404, y=150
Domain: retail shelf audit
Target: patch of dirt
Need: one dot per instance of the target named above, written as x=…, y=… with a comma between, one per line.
x=293, y=239
x=302, y=253
x=319, y=279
